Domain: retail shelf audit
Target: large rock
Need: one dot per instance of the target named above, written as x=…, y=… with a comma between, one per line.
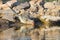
x=11, y=2
x=25, y=5
x=49, y=5
x=7, y=14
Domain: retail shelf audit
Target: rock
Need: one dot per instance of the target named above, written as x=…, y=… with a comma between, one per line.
x=16, y=9
x=16, y=4
x=4, y=7
x=1, y=1
x=8, y=14
x=49, y=5
x=9, y=3
x=25, y=18
x=33, y=7
x=31, y=24
x=0, y=4
x=8, y=34
x=37, y=2
x=25, y=5
x=41, y=11
x=36, y=9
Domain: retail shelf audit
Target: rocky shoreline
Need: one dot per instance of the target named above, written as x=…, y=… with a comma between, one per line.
x=33, y=20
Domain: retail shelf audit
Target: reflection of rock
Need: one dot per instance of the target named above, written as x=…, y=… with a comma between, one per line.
x=26, y=28
x=4, y=24
x=35, y=34
x=52, y=33
x=25, y=38
x=8, y=34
